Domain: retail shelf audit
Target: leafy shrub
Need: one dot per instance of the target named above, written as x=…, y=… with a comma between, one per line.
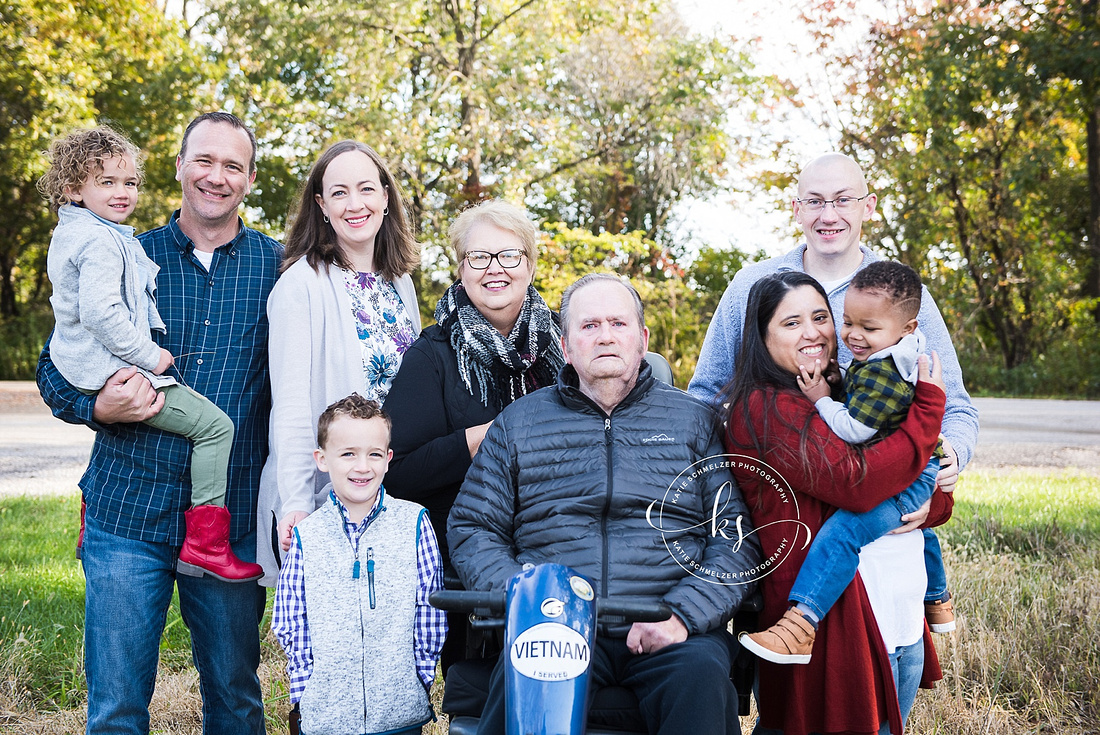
x=21, y=340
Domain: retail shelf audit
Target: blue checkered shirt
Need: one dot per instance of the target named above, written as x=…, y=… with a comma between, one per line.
x=290, y=623
x=138, y=481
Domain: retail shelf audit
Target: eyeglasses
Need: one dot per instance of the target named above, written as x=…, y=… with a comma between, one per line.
x=479, y=260
x=841, y=204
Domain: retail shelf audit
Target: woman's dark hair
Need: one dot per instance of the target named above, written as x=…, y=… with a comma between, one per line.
x=395, y=251
x=757, y=371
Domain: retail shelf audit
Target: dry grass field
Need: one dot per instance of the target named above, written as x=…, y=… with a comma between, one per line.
x=1023, y=557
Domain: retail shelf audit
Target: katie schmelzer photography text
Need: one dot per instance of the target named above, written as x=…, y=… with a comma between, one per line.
x=720, y=524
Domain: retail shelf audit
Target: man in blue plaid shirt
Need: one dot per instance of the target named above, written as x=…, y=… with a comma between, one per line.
x=215, y=277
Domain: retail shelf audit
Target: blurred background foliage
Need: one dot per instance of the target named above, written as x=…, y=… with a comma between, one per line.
x=978, y=123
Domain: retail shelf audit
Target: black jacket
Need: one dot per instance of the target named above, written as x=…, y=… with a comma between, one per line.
x=558, y=480
x=431, y=408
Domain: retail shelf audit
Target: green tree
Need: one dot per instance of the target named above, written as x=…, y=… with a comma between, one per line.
x=76, y=63
x=711, y=272
x=641, y=112
x=1060, y=41
x=977, y=159
x=674, y=309
x=597, y=114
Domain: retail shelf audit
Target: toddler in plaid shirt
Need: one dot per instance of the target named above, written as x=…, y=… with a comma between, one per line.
x=880, y=328
x=351, y=607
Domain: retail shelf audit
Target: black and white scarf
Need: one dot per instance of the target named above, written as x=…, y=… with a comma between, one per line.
x=504, y=368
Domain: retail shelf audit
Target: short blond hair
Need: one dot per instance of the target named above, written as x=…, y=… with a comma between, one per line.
x=498, y=213
x=78, y=156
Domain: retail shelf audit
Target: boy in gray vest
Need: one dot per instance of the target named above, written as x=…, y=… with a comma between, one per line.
x=351, y=607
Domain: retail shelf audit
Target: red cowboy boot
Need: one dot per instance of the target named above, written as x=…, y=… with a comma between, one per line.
x=206, y=549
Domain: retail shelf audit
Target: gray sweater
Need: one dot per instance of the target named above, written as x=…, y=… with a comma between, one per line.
x=103, y=301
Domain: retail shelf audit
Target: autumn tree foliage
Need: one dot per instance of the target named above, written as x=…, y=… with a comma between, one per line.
x=972, y=117
x=596, y=114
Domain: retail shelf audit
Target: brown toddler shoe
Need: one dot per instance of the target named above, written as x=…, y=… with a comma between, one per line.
x=789, y=641
x=940, y=616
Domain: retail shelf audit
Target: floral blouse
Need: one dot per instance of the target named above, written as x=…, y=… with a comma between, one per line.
x=384, y=327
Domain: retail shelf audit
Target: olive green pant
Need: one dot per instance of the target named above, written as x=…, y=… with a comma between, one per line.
x=192, y=415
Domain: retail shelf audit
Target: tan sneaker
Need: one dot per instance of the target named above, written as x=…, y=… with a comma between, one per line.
x=940, y=616
x=789, y=641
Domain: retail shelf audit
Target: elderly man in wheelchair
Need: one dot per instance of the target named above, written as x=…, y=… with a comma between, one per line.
x=621, y=479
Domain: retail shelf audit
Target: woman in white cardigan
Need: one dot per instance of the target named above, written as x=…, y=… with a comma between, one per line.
x=342, y=315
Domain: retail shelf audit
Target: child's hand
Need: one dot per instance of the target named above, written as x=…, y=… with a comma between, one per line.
x=475, y=435
x=930, y=370
x=286, y=528
x=813, y=384
x=166, y=361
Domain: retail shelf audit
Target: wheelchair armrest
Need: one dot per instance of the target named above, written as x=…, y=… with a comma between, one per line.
x=483, y=604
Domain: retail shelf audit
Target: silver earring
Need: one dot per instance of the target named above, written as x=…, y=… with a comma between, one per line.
x=325, y=218
x=385, y=211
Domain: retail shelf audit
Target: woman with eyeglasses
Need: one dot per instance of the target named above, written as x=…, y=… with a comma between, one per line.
x=495, y=340
x=342, y=315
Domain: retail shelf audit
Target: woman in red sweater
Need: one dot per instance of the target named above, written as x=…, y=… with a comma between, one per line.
x=795, y=472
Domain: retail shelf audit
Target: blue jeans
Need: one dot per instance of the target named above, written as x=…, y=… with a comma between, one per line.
x=128, y=590
x=831, y=563
x=933, y=563
x=907, y=664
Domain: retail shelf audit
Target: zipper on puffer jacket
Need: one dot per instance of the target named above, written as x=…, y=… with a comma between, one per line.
x=606, y=507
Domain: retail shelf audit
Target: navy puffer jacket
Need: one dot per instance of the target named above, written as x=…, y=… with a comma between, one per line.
x=558, y=480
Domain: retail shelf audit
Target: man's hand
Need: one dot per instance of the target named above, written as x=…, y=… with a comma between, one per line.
x=286, y=527
x=915, y=519
x=813, y=384
x=652, y=637
x=949, y=468
x=126, y=397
